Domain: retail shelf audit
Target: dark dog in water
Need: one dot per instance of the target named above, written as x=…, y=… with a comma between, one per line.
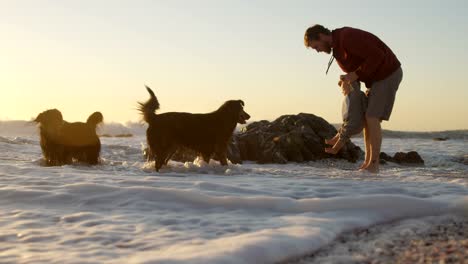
x=207, y=134
x=63, y=142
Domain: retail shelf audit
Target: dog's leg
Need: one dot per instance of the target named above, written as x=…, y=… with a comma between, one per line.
x=206, y=156
x=223, y=159
x=66, y=156
x=148, y=154
x=57, y=156
x=52, y=156
x=160, y=159
x=171, y=152
x=161, y=155
x=47, y=157
x=92, y=154
x=221, y=155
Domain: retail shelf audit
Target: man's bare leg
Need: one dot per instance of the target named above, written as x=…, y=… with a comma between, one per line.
x=367, y=144
x=373, y=125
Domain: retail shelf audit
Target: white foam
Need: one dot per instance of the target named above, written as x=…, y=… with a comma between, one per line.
x=298, y=234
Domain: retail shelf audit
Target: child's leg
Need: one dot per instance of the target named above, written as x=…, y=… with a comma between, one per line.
x=333, y=140
x=338, y=145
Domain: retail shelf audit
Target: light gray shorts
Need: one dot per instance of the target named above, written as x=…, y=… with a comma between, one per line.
x=381, y=96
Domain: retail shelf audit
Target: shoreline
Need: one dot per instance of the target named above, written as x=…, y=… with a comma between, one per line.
x=441, y=239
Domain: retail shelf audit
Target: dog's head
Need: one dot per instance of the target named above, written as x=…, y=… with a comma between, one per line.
x=50, y=120
x=50, y=123
x=236, y=109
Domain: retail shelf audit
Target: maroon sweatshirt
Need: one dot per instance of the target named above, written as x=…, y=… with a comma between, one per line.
x=362, y=52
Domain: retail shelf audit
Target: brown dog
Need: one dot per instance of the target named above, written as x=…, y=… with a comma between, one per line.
x=63, y=142
x=207, y=134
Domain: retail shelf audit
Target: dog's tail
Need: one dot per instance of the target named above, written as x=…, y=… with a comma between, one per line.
x=148, y=108
x=94, y=119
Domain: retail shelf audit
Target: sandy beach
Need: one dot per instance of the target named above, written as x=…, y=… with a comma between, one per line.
x=434, y=240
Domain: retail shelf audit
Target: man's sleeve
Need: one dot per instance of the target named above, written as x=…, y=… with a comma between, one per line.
x=364, y=45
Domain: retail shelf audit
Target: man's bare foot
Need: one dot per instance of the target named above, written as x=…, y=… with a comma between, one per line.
x=372, y=167
x=363, y=165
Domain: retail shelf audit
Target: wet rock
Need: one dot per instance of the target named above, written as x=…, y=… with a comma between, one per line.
x=409, y=158
x=385, y=157
x=291, y=138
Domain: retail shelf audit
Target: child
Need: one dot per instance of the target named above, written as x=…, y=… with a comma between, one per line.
x=353, y=110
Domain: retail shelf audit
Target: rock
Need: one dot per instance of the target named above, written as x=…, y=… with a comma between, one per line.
x=385, y=157
x=409, y=158
x=291, y=138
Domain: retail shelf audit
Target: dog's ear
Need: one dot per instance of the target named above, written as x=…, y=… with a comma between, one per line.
x=241, y=103
x=39, y=118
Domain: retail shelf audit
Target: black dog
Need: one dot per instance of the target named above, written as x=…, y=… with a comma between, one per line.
x=63, y=142
x=207, y=134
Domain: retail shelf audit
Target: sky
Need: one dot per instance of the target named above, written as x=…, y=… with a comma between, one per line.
x=86, y=56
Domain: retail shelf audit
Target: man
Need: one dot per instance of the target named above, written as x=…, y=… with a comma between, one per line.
x=364, y=58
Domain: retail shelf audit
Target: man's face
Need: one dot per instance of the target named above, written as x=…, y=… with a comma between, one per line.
x=320, y=45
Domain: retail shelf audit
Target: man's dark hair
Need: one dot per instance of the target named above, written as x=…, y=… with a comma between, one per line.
x=312, y=33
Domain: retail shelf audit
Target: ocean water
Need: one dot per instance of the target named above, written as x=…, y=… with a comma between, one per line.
x=122, y=211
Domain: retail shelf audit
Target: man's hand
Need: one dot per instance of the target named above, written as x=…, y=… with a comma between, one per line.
x=345, y=88
x=367, y=92
x=349, y=78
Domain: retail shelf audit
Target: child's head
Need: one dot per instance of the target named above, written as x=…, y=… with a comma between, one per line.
x=346, y=88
